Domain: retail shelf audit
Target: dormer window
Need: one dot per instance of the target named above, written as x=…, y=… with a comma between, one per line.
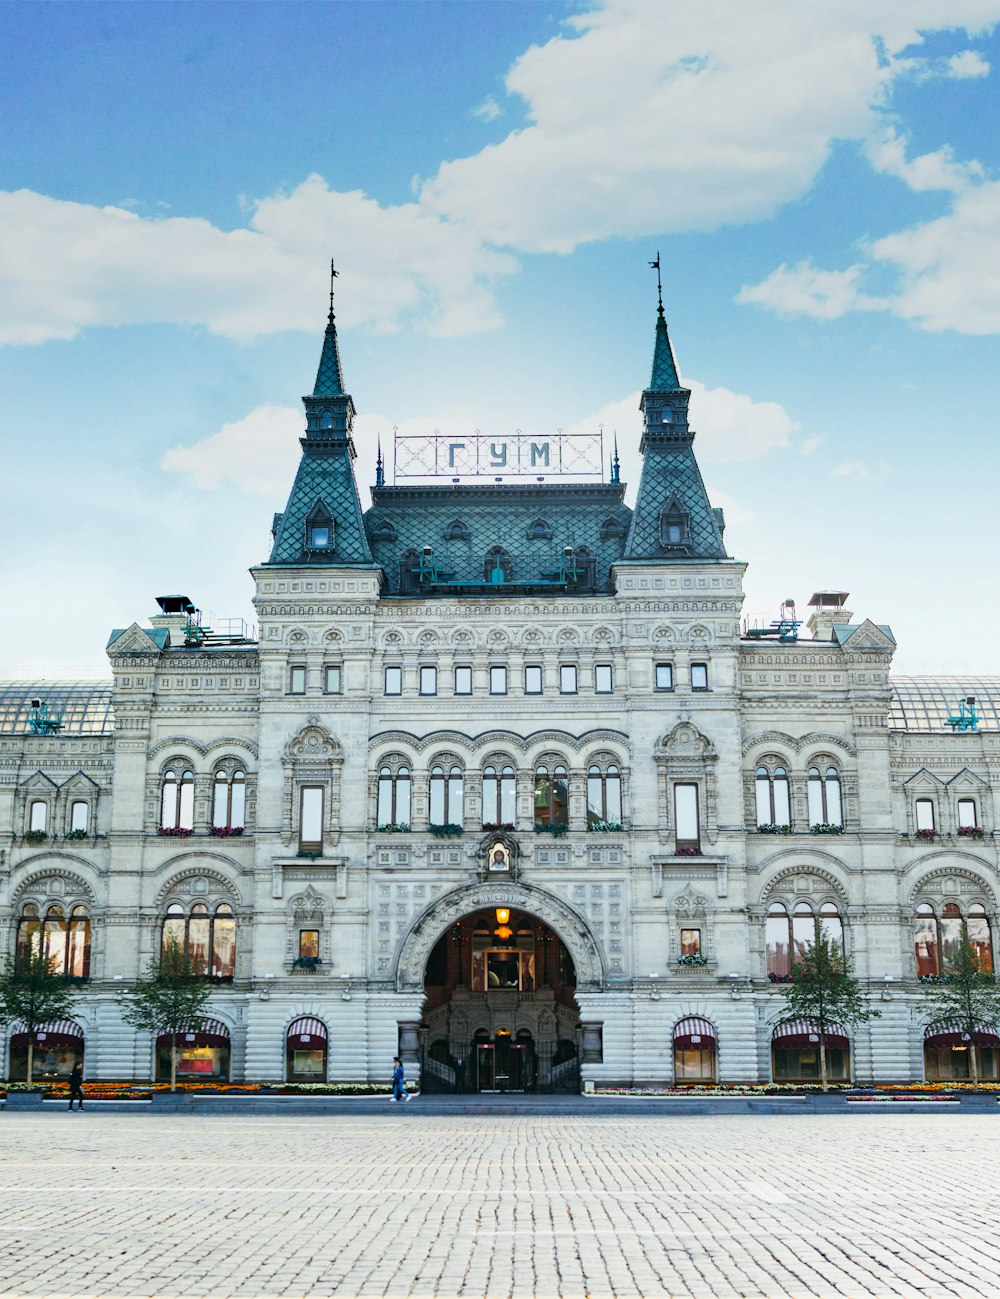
x=319, y=535
x=319, y=528
x=667, y=416
x=675, y=527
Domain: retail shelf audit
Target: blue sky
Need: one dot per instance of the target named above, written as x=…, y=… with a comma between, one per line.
x=492, y=178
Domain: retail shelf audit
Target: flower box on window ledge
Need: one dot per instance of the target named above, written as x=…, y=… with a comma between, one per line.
x=604, y=827
x=826, y=827
x=225, y=831
x=768, y=827
x=687, y=850
x=693, y=958
x=449, y=830
x=779, y=978
x=307, y=962
x=76, y=834
x=310, y=854
x=498, y=825
x=393, y=827
x=35, y=836
x=174, y=831
x=970, y=831
x=558, y=831
x=926, y=834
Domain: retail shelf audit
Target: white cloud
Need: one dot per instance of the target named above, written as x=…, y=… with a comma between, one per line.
x=488, y=111
x=643, y=117
x=258, y=453
x=970, y=63
x=64, y=266
x=860, y=469
x=805, y=290
x=929, y=171
x=810, y=444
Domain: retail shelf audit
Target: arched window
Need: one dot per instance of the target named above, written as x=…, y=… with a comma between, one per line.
x=38, y=816
x=694, y=1051
x=968, y=820
x=787, y=936
x=393, y=796
x=79, y=816
x=499, y=795
x=306, y=1051
x=604, y=795
x=498, y=566
x=937, y=939
x=771, y=793
x=208, y=941
x=551, y=796
x=825, y=803
x=64, y=940
x=177, y=800
x=229, y=800
x=446, y=795
x=924, y=816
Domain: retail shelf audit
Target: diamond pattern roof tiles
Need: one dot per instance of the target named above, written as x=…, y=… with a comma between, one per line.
x=664, y=367
x=329, y=381
x=325, y=475
x=671, y=473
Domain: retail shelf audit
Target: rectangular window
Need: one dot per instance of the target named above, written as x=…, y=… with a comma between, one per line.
x=463, y=680
x=37, y=816
x=532, y=679
x=686, y=827
x=690, y=942
x=567, y=679
x=296, y=681
x=309, y=943
x=80, y=814
x=699, y=676
x=603, y=680
x=498, y=680
x=428, y=681
x=394, y=681
x=925, y=814
x=333, y=682
x=311, y=818
x=967, y=814
x=664, y=676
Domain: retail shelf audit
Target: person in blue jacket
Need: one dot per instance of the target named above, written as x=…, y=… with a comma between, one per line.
x=399, y=1092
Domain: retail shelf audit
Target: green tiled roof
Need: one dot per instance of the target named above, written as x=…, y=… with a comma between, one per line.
x=670, y=476
x=329, y=381
x=664, y=367
x=325, y=477
x=464, y=522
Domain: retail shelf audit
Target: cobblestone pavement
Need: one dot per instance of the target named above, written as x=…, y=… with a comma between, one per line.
x=758, y=1206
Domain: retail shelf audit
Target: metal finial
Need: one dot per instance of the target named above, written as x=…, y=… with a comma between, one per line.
x=615, y=467
x=333, y=276
x=379, y=468
x=659, y=283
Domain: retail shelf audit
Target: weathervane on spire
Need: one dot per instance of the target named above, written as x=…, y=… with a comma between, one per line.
x=659, y=283
x=333, y=276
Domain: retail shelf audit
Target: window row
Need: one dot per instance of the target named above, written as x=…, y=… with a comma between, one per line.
x=38, y=820
x=825, y=803
x=926, y=819
x=229, y=800
x=532, y=682
x=63, y=939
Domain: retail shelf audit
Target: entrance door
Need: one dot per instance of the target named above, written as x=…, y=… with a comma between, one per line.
x=485, y=1067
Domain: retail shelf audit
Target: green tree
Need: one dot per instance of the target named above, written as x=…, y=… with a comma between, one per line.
x=170, y=999
x=965, y=995
x=824, y=991
x=31, y=991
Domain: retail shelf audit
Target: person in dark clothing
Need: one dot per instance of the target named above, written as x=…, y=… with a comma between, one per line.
x=399, y=1092
x=76, y=1085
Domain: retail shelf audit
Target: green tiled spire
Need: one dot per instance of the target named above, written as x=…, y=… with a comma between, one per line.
x=673, y=519
x=329, y=382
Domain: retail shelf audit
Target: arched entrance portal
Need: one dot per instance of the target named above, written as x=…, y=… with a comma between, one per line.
x=500, y=1013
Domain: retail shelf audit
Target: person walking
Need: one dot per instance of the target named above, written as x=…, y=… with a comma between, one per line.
x=399, y=1092
x=76, y=1085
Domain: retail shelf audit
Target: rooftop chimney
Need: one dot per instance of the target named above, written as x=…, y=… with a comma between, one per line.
x=175, y=613
x=828, y=607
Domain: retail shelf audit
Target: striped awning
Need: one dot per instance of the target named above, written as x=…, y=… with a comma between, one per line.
x=57, y=1033
x=210, y=1032
x=953, y=1034
x=693, y=1033
x=803, y=1033
x=307, y=1032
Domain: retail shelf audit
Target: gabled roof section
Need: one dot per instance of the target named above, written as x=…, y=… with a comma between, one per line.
x=138, y=640
x=865, y=635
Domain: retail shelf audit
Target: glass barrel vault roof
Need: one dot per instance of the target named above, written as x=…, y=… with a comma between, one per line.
x=926, y=703
x=83, y=707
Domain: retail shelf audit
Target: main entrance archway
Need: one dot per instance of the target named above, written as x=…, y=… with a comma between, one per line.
x=500, y=1011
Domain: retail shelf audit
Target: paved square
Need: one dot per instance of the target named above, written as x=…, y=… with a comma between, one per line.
x=759, y=1206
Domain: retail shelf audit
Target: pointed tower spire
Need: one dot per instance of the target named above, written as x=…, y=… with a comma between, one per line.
x=329, y=376
x=615, y=466
x=379, y=467
x=672, y=519
x=322, y=523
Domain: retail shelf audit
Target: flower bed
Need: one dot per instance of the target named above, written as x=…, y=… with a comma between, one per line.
x=114, y=1091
